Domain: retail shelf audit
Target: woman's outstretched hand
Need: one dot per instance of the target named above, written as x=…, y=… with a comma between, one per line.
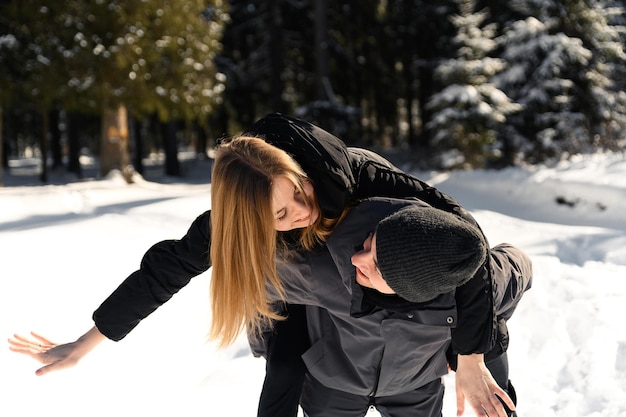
x=55, y=356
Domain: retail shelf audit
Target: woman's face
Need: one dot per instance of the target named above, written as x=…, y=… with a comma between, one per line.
x=367, y=272
x=292, y=210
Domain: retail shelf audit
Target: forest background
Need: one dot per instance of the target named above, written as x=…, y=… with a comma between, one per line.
x=452, y=83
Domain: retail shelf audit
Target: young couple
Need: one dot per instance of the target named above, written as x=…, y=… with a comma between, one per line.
x=323, y=228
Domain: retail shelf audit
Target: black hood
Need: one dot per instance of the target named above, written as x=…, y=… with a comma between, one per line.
x=323, y=157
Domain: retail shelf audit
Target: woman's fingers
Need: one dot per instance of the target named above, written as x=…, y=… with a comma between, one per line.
x=42, y=340
x=37, y=342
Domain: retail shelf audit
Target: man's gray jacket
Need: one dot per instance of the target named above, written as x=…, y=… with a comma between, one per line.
x=379, y=352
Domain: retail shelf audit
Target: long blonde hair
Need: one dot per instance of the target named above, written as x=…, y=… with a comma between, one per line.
x=244, y=247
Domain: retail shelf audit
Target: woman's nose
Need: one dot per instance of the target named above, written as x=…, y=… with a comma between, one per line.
x=299, y=210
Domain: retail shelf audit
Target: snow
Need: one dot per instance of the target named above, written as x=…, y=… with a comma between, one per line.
x=65, y=247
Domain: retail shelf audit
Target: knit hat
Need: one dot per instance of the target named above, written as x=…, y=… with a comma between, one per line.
x=423, y=252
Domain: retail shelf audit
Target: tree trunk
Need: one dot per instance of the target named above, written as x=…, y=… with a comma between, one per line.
x=139, y=146
x=321, y=50
x=408, y=72
x=114, y=143
x=277, y=58
x=170, y=145
x=55, y=139
x=202, y=138
x=220, y=123
x=43, y=175
x=2, y=155
x=73, y=144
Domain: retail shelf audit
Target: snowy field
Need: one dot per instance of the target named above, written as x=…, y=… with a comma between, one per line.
x=64, y=248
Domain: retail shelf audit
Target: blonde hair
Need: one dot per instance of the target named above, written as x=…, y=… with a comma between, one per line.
x=244, y=242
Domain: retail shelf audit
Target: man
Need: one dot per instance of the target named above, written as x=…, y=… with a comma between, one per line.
x=420, y=253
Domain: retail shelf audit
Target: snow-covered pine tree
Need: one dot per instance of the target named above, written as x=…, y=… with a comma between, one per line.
x=604, y=28
x=469, y=110
x=560, y=61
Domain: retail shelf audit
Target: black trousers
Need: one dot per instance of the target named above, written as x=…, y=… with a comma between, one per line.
x=284, y=369
x=320, y=401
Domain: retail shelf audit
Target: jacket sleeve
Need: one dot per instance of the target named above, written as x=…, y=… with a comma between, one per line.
x=477, y=326
x=476, y=329
x=512, y=277
x=165, y=268
x=377, y=177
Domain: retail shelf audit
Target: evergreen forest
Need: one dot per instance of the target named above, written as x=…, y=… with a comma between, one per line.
x=453, y=83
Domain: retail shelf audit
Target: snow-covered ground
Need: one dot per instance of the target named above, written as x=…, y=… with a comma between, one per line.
x=64, y=248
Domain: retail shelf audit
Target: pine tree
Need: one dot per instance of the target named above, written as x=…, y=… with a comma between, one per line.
x=603, y=27
x=98, y=57
x=561, y=61
x=469, y=110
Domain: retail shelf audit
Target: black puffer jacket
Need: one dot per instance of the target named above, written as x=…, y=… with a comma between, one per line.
x=341, y=176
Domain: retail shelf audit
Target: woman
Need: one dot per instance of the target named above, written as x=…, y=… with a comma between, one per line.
x=338, y=176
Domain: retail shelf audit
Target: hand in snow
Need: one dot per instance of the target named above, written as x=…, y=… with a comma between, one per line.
x=55, y=356
x=475, y=384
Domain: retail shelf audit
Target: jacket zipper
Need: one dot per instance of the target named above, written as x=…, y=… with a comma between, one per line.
x=377, y=381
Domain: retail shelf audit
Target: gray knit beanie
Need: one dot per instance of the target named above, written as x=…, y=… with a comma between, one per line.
x=423, y=252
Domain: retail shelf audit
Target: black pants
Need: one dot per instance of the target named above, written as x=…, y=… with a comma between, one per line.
x=284, y=369
x=499, y=368
x=321, y=401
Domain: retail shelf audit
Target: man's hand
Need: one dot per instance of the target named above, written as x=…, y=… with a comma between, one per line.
x=475, y=384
